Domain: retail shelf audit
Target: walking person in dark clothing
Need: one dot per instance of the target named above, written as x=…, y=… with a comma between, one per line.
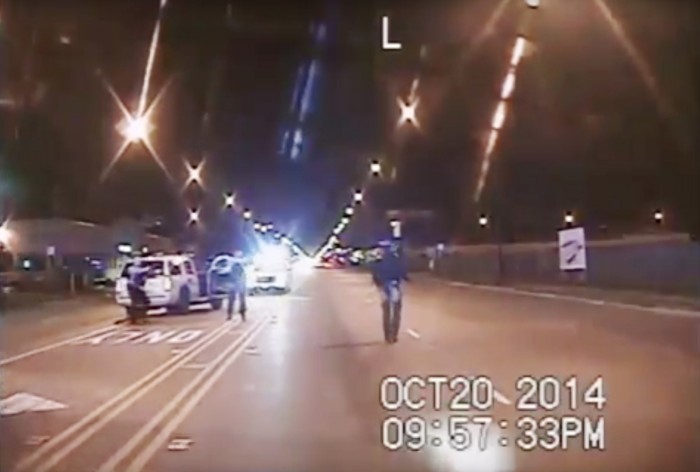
x=388, y=272
x=136, y=286
x=237, y=287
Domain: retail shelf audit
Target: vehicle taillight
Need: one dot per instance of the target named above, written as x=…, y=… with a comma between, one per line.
x=168, y=283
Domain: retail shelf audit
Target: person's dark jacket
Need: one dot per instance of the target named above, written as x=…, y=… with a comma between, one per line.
x=391, y=267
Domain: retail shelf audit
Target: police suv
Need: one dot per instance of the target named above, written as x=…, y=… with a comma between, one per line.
x=172, y=282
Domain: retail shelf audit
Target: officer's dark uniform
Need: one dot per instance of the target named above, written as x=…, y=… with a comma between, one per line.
x=237, y=288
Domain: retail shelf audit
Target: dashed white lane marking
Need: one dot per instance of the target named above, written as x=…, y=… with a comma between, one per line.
x=413, y=333
x=180, y=444
x=49, y=347
x=589, y=301
x=194, y=366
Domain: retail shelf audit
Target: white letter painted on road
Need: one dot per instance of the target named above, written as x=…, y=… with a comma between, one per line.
x=94, y=341
x=127, y=336
x=155, y=337
x=186, y=336
x=22, y=402
x=386, y=43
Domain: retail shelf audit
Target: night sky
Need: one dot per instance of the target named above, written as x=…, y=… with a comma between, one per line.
x=584, y=132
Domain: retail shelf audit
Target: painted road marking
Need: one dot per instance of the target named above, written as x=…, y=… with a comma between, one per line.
x=180, y=444
x=155, y=337
x=252, y=351
x=589, y=301
x=23, y=402
x=49, y=347
x=136, y=336
x=194, y=366
x=36, y=440
x=90, y=424
x=193, y=392
x=413, y=333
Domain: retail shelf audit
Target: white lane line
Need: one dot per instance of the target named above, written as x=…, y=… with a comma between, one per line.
x=86, y=427
x=55, y=345
x=193, y=392
x=589, y=301
x=413, y=333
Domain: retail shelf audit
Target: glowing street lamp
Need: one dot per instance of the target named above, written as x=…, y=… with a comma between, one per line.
x=408, y=112
x=257, y=226
x=659, y=216
x=247, y=215
x=358, y=196
x=136, y=129
x=194, y=216
x=569, y=218
x=5, y=235
x=349, y=211
x=483, y=221
x=195, y=173
x=375, y=168
x=229, y=200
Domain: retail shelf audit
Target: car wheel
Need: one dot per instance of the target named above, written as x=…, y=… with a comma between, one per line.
x=183, y=301
x=216, y=303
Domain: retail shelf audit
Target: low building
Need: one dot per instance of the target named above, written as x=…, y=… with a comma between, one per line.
x=37, y=245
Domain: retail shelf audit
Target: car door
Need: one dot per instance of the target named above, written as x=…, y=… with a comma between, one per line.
x=192, y=280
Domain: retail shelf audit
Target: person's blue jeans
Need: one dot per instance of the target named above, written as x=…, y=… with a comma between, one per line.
x=237, y=291
x=391, y=310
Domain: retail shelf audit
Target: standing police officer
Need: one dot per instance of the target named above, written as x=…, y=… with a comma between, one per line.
x=237, y=286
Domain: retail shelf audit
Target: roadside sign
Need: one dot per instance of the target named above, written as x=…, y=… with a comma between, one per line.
x=572, y=249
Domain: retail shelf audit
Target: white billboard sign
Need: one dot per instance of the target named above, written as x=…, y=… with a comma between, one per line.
x=572, y=249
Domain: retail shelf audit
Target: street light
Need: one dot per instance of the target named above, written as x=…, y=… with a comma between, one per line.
x=408, y=112
x=194, y=216
x=349, y=211
x=375, y=168
x=257, y=226
x=345, y=220
x=568, y=218
x=5, y=235
x=136, y=129
x=247, y=215
x=358, y=196
x=659, y=216
x=195, y=173
x=229, y=200
x=483, y=221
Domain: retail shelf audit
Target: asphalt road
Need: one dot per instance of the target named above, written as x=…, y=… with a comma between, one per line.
x=297, y=386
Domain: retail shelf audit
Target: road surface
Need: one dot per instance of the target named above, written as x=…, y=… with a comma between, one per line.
x=297, y=387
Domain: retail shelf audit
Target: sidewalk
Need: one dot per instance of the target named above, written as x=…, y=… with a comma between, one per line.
x=630, y=297
x=685, y=305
